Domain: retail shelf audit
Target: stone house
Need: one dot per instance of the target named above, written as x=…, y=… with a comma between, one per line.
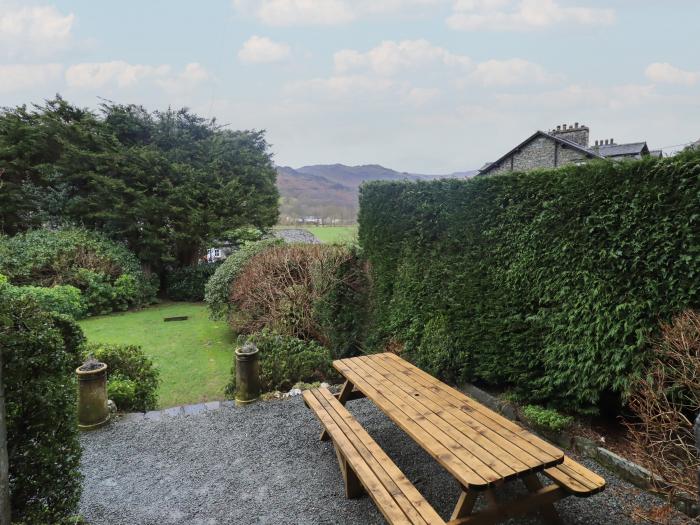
x=561, y=146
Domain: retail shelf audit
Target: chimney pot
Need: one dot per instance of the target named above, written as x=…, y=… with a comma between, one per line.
x=576, y=124
x=611, y=141
x=564, y=127
x=596, y=142
x=558, y=128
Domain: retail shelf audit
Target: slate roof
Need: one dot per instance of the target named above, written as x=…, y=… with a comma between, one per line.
x=567, y=143
x=616, y=150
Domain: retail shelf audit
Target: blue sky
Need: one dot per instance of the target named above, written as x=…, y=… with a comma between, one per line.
x=430, y=86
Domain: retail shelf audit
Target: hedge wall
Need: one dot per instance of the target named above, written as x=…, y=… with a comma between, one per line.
x=547, y=282
x=40, y=351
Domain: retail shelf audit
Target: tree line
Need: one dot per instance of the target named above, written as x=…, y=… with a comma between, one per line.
x=166, y=183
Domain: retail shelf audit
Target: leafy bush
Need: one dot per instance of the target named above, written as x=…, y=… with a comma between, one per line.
x=218, y=287
x=39, y=356
x=665, y=403
x=108, y=275
x=548, y=282
x=122, y=391
x=302, y=291
x=187, y=283
x=547, y=418
x=285, y=361
x=128, y=362
x=65, y=299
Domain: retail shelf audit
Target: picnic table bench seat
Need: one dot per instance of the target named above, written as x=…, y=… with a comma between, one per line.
x=366, y=467
x=575, y=479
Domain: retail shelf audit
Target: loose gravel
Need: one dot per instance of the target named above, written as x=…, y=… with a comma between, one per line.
x=264, y=464
x=297, y=235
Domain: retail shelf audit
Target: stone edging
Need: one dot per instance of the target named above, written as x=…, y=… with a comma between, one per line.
x=185, y=410
x=627, y=470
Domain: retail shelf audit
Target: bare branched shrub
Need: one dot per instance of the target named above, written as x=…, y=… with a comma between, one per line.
x=666, y=403
x=282, y=287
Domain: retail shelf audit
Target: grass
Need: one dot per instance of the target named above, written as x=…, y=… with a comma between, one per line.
x=334, y=234
x=194, y=356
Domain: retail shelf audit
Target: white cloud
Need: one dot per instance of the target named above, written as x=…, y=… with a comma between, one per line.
x=390, y=57
x=99, y=74
x=665, y=73
x=419, y=97
x=510, y=72
x=21, y=77
x=38, y=30
x=324, y=12
x=262, y=50
x=124, y=75
x=577, y=98
x=343, y=86
x=512, y=15
x=299, y=12
x=184, y=82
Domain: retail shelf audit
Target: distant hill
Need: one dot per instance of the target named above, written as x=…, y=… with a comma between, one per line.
x=330, y=190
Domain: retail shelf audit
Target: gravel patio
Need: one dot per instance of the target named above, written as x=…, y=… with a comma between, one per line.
x=265, y=464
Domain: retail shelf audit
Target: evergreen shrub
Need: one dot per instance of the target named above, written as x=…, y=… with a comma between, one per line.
x=108, y=275
x=548, y=282
x=127, y=364
x=187, y=283
x=62, y=299
x=40, y=351
x=286, y=361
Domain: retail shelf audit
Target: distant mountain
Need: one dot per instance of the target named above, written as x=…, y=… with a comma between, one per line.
x=330, y=190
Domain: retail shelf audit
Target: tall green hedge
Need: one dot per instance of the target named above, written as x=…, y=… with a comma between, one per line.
x=549, y=282
x=40, y=351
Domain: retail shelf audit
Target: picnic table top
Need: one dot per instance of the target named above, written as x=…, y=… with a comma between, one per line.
x=479, y=447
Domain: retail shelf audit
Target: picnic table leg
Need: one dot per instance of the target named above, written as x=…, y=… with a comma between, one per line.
x=465, y=504
x=549, y=513
x=343, y=397
x=353, y=487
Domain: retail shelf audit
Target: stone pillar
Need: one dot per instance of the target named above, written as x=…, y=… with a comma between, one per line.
x=247, y=374
x=92, y=395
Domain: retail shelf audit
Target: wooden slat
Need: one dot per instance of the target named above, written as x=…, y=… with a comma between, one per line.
x=423, y=434
x=576, y=478
x=376, y=464
x=520, y=437
x=461, y=434
x=396, y=482
x=501, y=437
x=517, y=459
x=383, y=499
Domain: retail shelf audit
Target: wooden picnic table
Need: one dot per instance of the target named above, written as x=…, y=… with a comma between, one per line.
x=479, y=447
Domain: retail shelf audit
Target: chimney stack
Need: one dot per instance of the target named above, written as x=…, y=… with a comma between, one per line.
x=578, y=134
x=611, y=141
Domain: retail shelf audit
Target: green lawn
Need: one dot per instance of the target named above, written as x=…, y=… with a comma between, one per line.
x=194, y=356
x=334, y=234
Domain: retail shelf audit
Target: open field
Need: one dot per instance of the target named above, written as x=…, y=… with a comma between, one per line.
x=194, y=356
x=333, y=234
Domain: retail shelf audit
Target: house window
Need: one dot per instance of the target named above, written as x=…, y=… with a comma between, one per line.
x=217, y=252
